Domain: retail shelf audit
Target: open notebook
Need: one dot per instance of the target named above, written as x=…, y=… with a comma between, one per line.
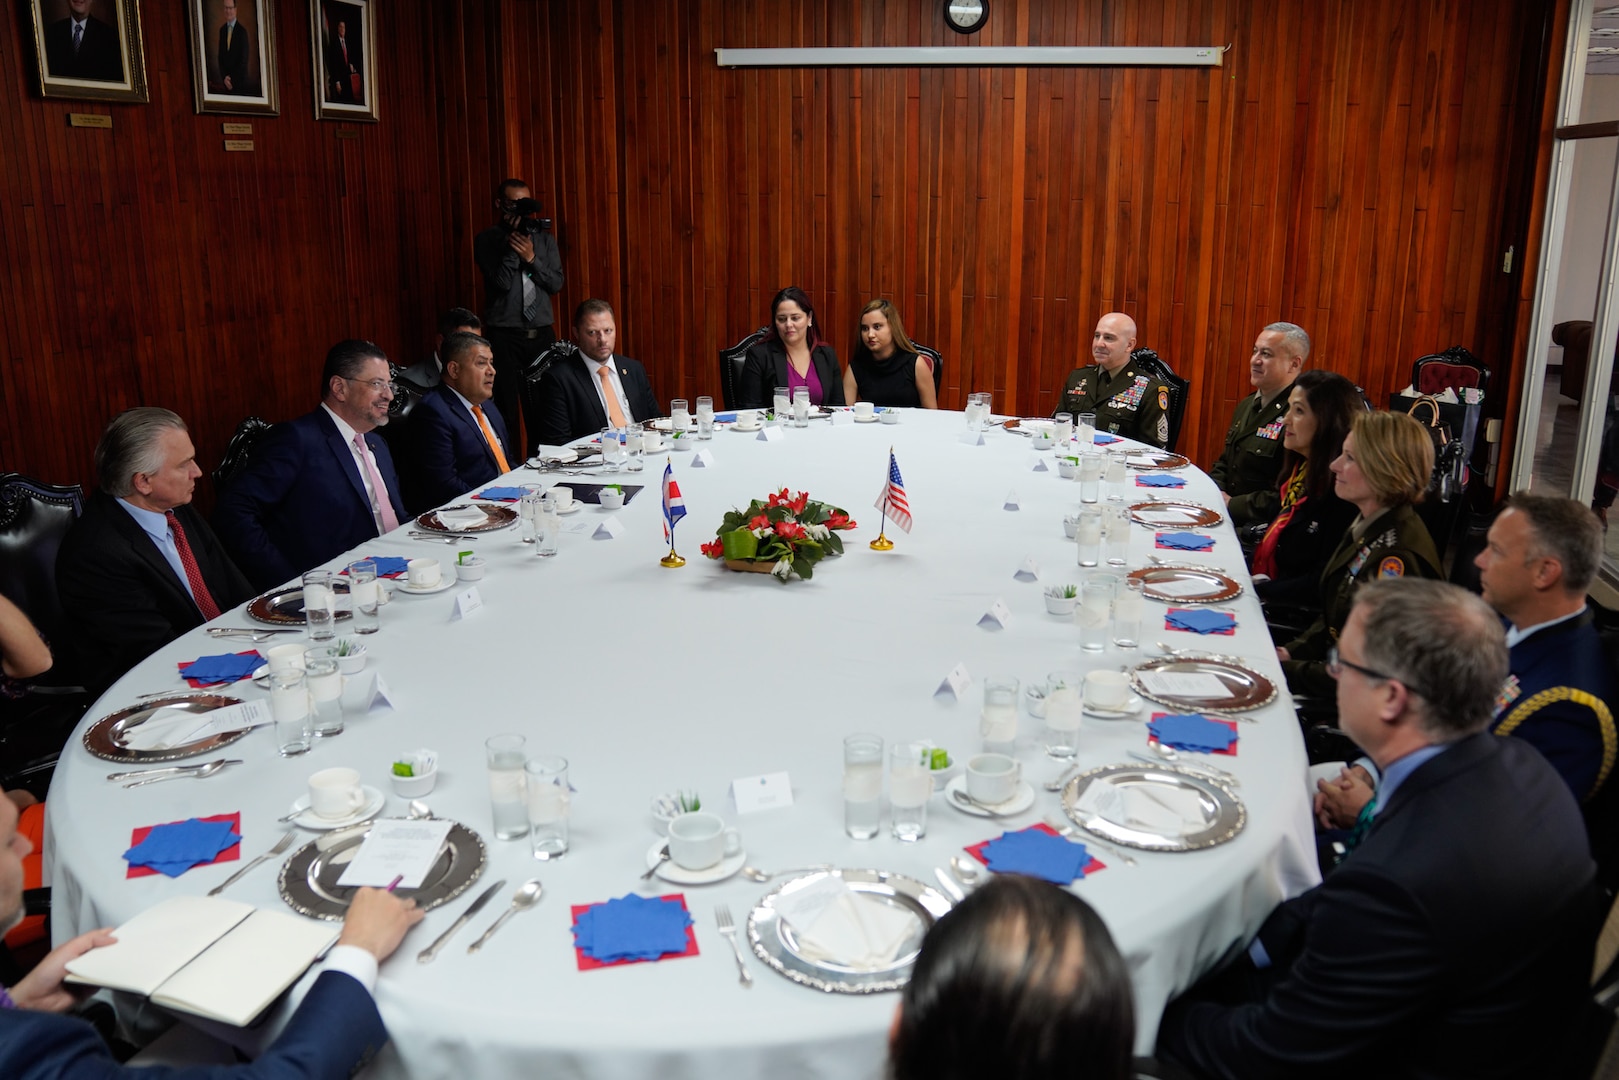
x=217, y=958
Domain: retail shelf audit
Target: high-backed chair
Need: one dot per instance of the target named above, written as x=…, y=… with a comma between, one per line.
x=1453, y=369
x=731, y=363
x=407, y=395
x=529, y=392
x=238, y=450
x=1151, y=363
x=936, y=361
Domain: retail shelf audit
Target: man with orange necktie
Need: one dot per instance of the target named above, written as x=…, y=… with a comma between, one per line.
x=580, y=395
x=458, y=439
x=141, y=567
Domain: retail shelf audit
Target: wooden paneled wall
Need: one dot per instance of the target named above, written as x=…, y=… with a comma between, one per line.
x=1357, y=166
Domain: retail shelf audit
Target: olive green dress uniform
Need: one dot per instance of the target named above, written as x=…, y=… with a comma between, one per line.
x=1131, y=403
x=1250, y=467
x=1395, y=544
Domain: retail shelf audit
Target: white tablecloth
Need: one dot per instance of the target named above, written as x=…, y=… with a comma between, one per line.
x=650, y=679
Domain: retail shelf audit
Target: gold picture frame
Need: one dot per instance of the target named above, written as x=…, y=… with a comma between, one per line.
x=89, y=50
x=343, y=43
x=233, y=64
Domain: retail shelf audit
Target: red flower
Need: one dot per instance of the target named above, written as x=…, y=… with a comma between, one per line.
x=714, y=549
x=778, y=498
x=760, y=521
x=837, y=519
x=789, y=530
x=798, y=504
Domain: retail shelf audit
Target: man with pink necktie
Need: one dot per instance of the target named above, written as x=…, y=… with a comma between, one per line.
x=583, y=393
x=316, y=486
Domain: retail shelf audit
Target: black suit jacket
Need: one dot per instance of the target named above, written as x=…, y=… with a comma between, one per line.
x=1455, y=941
x=570, y=405
x=449, y=455
x=233, y=59
x=99, y=56
x=299, y=501
x=122, y=598
x=766, y=368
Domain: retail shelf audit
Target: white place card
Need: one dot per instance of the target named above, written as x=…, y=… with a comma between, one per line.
x=1037, y=463
x=765, y=792
x=1012, y=502
x=770, y=433
x=997, y=617
x=366, y=691
x=1184, y=684
x=1028, y=569
x=703, y=459
x=466, y=603
x=955, y=683
x=972, y=438
x=1184, y=588
x=609, y=528
x=397, y=848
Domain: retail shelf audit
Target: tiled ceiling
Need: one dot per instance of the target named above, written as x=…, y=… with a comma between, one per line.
x=1602, y=58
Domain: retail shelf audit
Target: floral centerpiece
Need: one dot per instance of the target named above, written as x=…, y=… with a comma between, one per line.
x=783, y=535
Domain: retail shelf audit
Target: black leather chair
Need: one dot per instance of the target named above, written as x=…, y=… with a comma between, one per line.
x=529, y=392
x=731, y=364
x=1152, y=364
x=239, y=448
x=34, y=519
x=407, y=395
x=937, y=359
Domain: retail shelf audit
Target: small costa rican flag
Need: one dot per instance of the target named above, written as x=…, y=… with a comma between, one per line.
x=892, y=500
x=674, y=507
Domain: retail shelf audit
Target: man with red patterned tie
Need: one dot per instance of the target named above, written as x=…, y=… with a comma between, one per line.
x=141, y=567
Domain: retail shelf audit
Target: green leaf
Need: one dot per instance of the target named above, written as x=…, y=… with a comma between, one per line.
x=740, y=544
x=804, y=568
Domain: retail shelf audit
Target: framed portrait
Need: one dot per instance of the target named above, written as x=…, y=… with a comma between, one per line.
x=233, y=56
x=344, y=44
x=89, y=49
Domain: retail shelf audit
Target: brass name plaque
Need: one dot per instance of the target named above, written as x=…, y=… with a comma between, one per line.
x=89, y=120
x=239, y=144
x=236, y=129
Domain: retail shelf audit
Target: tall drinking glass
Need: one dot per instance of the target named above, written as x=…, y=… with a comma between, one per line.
x=801, y=406
x=325, y=684
x=782, y=404
x=997, y=722
x=1064, y=710
x=1088, y=536
x=528, y=512
x=679, y=415
x=547, y=524
x=363, y=590
x=289, y=709
x=1085, y=431
x=910, y=786
x=1128, y=605
x=1063, y=430
x=508, y=791
x=320, y=613
x=1117, y=478
x=1116, y=533
x=862, y=785
x=705, y=418
x=633, y=450
x=549, y=804
x=1090, y=476
x=612, y=449
x=1095, y=611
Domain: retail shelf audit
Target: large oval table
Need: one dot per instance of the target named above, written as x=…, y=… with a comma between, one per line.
x=651, y=679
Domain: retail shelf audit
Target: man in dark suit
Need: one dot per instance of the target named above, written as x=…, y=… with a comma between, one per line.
x=335, y=1031
x=428, y=372
x=582, y=394
x=457, y=442
x=321, y=484
x=233, y=52
x=81, y=46
x=1455, y=940
x=141, y=567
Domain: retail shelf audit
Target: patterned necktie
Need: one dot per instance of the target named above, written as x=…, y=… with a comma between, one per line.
x=78, y=36
x=188, y=562
x=489, y=437
x=379, y=490
x=531, y=299
x=614, y=413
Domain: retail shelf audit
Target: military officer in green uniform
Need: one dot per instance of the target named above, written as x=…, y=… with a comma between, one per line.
x=1126, y=401
x=1250, y=466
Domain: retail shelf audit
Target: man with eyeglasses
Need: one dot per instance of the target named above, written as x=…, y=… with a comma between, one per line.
x=1455, y=941
x=319, y=485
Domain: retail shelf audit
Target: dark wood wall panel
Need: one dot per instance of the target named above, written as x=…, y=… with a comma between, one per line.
x=1357, y=166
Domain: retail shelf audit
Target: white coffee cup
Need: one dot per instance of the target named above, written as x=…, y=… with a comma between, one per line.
x=993, y=778
x=335, y=793
x=285, y=658
x=562, y=495
x=864, y=409
x=1107, y=689
x=699, y=840
x=747, y=420
x=651, y=441
x=422, y=573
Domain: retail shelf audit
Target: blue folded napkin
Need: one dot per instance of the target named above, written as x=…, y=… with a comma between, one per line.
x=1186, y=541
x=1160, y=480
x=388, y=565
x=225, y=667
x=631, y=928
x=1102, y=438
x=173, y=849
x=725, y=418
x=1202, y=620
x=1036, y=853
x=501, y=494
x=1192, y=731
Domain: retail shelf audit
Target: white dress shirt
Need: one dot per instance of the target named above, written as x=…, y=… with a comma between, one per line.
x=593, y=366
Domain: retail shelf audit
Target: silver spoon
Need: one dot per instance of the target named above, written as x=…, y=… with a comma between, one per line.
x=753, y=873
x=1062, y=780
x=198, y=774
x=967, y=872
x=663, y=857
x=1068, y=828
x=960, y=795
x=526, y=897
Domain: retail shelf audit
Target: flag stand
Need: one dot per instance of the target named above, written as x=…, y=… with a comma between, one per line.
x=672, y=560
x=882, y=543
x=674, y=508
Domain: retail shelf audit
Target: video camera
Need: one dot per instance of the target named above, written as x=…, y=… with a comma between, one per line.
x=524, y=210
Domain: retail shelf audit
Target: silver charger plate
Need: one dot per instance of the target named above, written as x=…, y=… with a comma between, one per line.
x=1248, y=688
x=496, y=517
x=775, y=943
x=1223, y=813
x=1162, y=460
x=285, y=606
x=105, y=737
x=308, y=880
x=1219, y=587
x=1197, y=515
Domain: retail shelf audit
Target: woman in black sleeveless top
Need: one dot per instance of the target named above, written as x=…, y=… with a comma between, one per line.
x=886, y=368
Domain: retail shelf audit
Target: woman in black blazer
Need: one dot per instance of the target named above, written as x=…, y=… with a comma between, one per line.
x=793, y=355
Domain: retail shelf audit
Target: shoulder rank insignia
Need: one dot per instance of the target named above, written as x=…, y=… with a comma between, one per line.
x=1393, y=566
x=1510, y=692
x=1163, y=399
x=1270, y=431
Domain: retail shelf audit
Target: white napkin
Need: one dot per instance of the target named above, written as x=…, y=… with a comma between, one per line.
x=1165, y=811
x=835, y=924
x=465, y=518
x=162, y=732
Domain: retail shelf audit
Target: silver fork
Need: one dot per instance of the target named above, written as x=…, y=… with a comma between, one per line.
x=280, y=846
x=722, y=917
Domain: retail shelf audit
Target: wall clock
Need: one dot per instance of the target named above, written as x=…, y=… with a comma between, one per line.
x=965, y=16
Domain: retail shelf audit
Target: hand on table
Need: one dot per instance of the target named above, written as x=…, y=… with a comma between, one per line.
x=378, y=921
x=1338, y=801
x=42, y=989
x=1281, y=653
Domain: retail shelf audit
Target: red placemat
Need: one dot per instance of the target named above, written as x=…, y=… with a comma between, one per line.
x=1230, y=751
x=230, y=854
x=198, y=684
x=588, y=964
x=977, y=850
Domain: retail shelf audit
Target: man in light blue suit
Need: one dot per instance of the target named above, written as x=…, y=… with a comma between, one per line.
x=319, y=485
x=458, y=442
x=335, y=1031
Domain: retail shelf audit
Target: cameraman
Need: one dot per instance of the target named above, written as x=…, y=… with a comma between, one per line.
x=521, y=271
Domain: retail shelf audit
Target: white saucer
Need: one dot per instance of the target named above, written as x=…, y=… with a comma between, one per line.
x=754, y=430
x=573, y=507
x=872, y=419
x=1132, y=707
x=1021, y=801
x=411, y=590
x=676, y=874
x=314, y=822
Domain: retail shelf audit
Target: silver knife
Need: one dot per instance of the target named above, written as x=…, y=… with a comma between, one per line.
x=477, y=905
x=170, y=769
x=951, y=889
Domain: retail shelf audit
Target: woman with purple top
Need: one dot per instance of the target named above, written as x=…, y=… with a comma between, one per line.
x=793, y=355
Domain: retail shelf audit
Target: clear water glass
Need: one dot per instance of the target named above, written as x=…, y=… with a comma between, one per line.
x=1129, y=604
x=547, y=526
x=528, y=512
x=1116, y=533
x=997, y=721
x=1094, y=612
x=1090, y=476
x=325, y=684
x=781, y=404
x=679, y=415
x=862, y=785
x=320, y=606
x=289, y=709
x=910, y=786
x=1088, y=536
x=1085, y=431
x=801, y=406
x=364, y=595
x=550, y=801
x=1062, y=431
x=612, y=449
x=508, y=789
x=1117, y=478
x=633, y=450
x=705, y=418
x=1065, y=700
